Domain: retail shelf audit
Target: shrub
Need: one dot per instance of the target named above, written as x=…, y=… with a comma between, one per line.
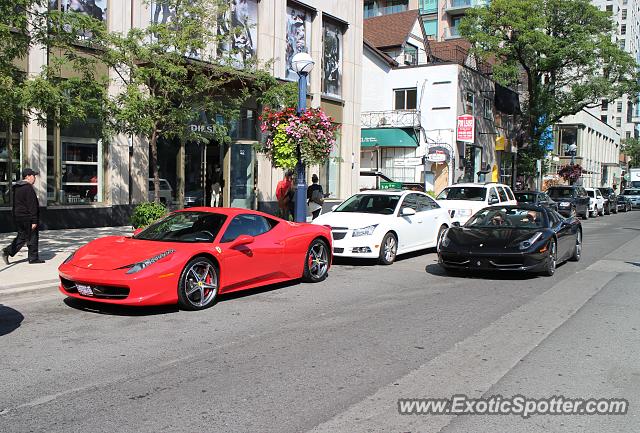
x=432, y=194
x=146, y=213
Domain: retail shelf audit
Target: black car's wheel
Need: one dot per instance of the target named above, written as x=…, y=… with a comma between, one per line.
x=388, y=249
x=198, y=286
x=441, y=231
x=552, y=259
x=316, y=262
x=577, y=248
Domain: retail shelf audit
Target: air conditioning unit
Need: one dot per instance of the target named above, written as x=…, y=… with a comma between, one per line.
x=382, y=121
x=409, y=58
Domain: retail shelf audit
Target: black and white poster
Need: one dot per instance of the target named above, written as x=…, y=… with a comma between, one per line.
x=332, y=60
x=238, y=29
x=298, y=37
x=94, y=8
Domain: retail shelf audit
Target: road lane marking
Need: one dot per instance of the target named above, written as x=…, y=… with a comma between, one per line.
x=473, y=365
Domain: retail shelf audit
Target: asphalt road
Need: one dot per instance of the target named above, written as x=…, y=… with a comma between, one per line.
x=335, y=356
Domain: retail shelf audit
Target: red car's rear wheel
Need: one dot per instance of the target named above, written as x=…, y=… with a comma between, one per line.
x=198, y=285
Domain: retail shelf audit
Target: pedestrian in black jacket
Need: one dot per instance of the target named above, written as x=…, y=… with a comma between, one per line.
x=25, y=216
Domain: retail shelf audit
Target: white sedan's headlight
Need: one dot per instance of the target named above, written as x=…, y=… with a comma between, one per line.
x=564, y=204
x=364, y=231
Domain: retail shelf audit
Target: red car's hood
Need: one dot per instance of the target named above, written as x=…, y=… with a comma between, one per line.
x=114, y=252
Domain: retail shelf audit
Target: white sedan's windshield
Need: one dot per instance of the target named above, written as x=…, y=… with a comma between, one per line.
x=370, y=203
x=463, y=193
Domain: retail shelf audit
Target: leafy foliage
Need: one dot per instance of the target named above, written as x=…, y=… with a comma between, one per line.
x=146, y=213
x=67, y=88
x=631, y=148
x=562, y=50
x=312, y=131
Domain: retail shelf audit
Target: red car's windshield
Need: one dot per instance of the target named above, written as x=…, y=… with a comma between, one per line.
x=184, y=227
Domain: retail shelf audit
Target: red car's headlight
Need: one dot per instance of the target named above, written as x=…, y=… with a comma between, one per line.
x=137, y=267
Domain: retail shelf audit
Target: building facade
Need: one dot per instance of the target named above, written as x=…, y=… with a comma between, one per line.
x=414, y=93
x=90, y=180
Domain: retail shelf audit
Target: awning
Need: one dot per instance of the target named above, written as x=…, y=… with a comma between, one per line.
x=388, y=137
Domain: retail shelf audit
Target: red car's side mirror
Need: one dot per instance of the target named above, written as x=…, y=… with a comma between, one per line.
x=242, y=240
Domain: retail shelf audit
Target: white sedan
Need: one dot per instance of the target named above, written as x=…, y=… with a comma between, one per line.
x=382, y=224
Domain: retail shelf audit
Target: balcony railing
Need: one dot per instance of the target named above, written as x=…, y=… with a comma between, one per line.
x=387, y=10
x=456, y=6
x=391, y=119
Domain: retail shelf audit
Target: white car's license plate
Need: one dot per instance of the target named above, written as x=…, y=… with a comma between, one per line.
x=84, y=290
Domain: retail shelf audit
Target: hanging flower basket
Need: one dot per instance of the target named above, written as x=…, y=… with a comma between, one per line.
x=570, y=172
x=313, y=130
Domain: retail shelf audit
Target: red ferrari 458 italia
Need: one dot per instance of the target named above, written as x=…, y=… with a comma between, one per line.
x=191, y=256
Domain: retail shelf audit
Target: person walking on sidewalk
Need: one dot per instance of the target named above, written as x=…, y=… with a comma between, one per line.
x=315, y=197
x=26, y=212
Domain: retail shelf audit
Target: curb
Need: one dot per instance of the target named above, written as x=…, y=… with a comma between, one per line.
x=11, y=292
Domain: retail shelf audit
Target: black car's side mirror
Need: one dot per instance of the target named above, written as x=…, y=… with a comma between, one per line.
x=456, y=223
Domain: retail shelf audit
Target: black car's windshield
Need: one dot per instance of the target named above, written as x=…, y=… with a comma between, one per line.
x=463, y=193
x=184, y=227
x=525, y=197
x=511, y=218
x=370, y=203
x=631, y=192
x=560, y=192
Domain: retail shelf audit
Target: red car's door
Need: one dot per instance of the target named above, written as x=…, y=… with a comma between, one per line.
x=252, y=262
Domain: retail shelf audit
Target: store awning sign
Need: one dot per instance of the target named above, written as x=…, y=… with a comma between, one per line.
x=466, y=128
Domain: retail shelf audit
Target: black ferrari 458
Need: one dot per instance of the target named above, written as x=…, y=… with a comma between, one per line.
x=512, y=238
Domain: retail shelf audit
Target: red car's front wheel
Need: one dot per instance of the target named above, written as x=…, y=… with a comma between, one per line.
x=316, y=263
x=198, y=285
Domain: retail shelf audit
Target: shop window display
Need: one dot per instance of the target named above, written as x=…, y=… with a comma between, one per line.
x=10, y=161
x=74, y=165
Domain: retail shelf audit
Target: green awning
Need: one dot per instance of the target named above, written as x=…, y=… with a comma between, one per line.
x=388, y=137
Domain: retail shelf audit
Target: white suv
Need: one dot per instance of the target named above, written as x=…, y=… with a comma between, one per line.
x=596, y=201
x=464, y=199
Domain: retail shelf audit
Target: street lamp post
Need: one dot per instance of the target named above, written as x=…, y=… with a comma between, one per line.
x=302, y=63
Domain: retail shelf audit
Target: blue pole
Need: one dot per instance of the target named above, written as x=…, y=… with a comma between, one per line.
x=301, y=183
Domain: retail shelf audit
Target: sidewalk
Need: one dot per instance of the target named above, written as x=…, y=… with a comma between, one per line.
x=55, y=247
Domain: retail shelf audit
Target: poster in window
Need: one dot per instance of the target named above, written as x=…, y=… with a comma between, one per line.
x=237, y=28
x=332, y=60
x=162, y=13
x=94, y=8
x=298, y=37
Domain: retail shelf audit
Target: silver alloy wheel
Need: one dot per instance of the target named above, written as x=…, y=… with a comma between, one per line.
x=201, y=284
x=578, y=244
x=390, y=247
x=318, y=261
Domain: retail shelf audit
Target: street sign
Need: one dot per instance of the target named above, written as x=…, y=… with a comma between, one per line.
x=438, y=156
x=390, y=185
x=466, y=128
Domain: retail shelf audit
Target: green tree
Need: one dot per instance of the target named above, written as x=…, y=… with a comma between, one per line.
x=174, y=73
x=70, y=40
x=562, y=51
x=631, y=148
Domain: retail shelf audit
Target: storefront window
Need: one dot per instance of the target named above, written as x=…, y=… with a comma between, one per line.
x=332, y=59
x=10, y=161
x=242, y=175
x=330, y=173
x=393, y=166
x=74, y=164
x=506, y=168
x=245, y=126
x=96, y=9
